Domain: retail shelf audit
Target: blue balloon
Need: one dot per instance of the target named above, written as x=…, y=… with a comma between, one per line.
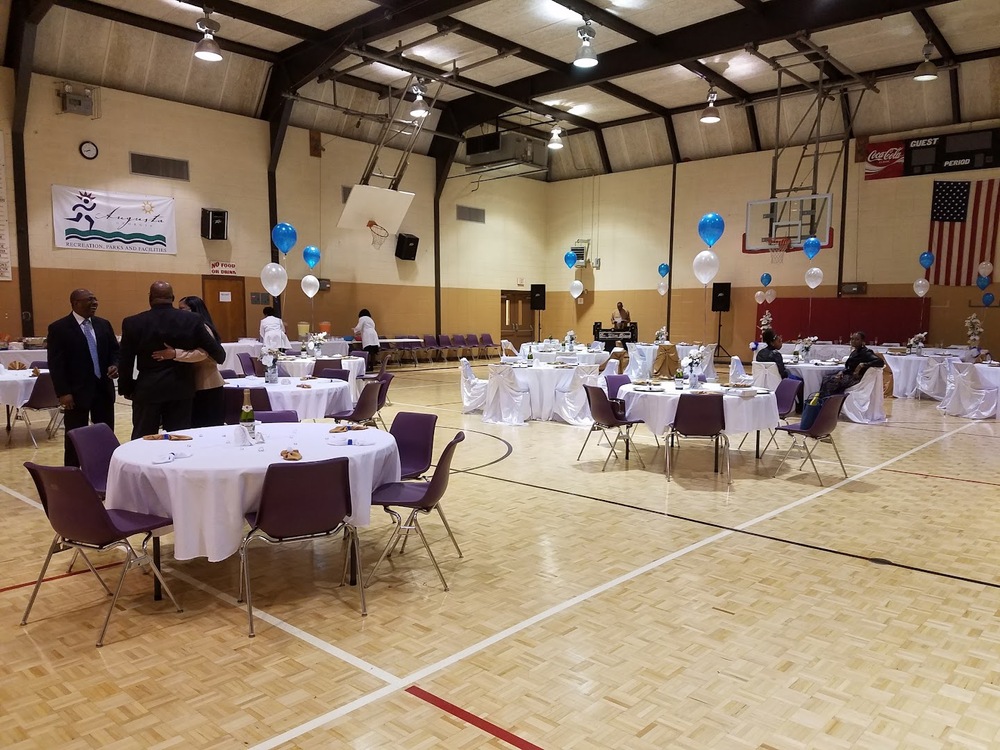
x=310, y=255
x=284, y=237
x=982, y=282
x=811, y=247
x=926, y=259
x=569, y=259
x=710, y=228
x=988, y=299
x=765, y=279
x=664, y=269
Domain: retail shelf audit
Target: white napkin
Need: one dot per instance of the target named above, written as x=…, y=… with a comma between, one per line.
x=241, y=436
x=166, y=458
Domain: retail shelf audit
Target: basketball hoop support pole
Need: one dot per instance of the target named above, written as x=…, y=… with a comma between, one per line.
x=718, y=338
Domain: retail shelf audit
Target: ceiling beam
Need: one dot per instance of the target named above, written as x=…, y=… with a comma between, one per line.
x=262, y=18
x=602, y=149
x=752, y=127
x=675, y=149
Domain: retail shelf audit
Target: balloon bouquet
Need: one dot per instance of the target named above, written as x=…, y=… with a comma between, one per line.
x=706, y=263
x=576, y=287
x=983, y=281
x=274, y=277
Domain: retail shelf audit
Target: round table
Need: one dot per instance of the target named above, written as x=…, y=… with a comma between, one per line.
x=812, y=374
x=906, y=368
x=322, y=397
x=657, y=408
x=22, y=355
x=541, y=382
x=989, y=375
x=15, y=386
x=235, y=348
x=302, y=366
x=208, y=491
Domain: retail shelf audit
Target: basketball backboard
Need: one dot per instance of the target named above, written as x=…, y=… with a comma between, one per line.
x=385, y=207
x=796, y=218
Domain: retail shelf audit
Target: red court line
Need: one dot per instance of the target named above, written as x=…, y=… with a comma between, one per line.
x=476, y=721
x=56, y=578
x=939, y=476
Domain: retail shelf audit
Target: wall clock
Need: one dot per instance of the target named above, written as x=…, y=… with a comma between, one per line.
x=88, y=150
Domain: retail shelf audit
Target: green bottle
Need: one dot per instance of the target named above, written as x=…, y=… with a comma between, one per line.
x=246, y=414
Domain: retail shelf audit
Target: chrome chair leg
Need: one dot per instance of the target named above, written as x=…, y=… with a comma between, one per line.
x=444, y=520
x=423, y=539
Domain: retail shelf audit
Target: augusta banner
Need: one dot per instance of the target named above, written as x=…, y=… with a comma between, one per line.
x=116, y=222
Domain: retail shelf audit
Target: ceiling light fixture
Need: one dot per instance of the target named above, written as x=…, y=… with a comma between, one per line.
x=926, y=71
x=555, y=142
x=710, y=114
x=586, y=57
x=419, y=105
x=208, y=49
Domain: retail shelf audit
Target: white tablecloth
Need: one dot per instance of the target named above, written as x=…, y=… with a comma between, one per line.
x=22, y=355
x=208, y=493
x=233, y=348
x=15, y=386
x=988, y=376
x=321, y=398
x=334, y=348
x=541, y=382
x=906, y=368
x=657, y=409
x=302, y=366
x=812, y=374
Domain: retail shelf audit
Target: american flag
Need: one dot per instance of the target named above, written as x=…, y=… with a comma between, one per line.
x=965, y=217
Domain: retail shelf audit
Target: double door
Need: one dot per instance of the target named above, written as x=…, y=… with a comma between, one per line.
x=517, y=319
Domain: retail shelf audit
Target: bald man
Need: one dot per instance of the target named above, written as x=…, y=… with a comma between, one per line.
x=163, y=392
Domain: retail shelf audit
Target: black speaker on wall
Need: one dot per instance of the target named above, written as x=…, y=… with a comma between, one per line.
x=538, y=296
x=214, y=224
x=406, y=246
x=721, y=292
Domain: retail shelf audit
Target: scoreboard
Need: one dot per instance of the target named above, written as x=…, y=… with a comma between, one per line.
x=933, y=154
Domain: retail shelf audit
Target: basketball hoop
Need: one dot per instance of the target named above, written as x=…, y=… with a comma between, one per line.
x=778, y=246
x=379, y=234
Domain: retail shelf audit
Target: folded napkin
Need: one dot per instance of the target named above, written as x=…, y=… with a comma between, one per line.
x=241, y=436
x=166, y=436
x=291, y=455
x=17, y=365
x=166, y=458
x=303, y=385
x=348, y=428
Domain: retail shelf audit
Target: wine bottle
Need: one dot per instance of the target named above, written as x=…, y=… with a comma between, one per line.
x=246, y=414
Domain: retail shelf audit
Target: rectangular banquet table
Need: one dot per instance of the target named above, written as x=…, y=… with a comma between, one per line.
x=208, y=492
x=320, y=398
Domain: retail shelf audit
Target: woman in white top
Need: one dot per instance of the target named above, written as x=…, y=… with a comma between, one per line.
x=272, y=331
x=369, y=337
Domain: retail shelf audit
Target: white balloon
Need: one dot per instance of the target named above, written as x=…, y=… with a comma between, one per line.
x=985, y=268
x=310, y=285
x=662, y=288
x=769, y=296
x=814, y=277
x=921, y=287
x=706, y=266
x=576, y=288
x=759, y=296
x=274, y=278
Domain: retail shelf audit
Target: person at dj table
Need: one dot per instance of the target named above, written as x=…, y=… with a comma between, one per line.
x=620, y=318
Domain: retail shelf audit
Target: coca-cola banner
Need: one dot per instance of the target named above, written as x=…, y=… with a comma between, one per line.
x=883, y=160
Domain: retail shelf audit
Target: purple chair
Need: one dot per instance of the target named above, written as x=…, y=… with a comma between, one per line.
x=486, y=343
x=41, y=364
x=699, y=415
x=363, y=411
x=81, y=522
x=408, y=347
x=232, y=403
x=383, y=395
x=606, y=419
x=290, y=511
x=94, y=445
x=416, y=497
x=430, y=346
x=786, y=394
x=381, y=370
x=228, y=374
x=247, y=363
x=270, y=417
x=327, y=363
x=331, y=373
x=43, y=398
x=472, y=342
x=821, y=431
x=461, y=345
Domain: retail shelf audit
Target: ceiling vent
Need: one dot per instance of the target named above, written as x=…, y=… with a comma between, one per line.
x=511, y=155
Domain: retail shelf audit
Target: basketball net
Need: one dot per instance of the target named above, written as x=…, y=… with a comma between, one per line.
x=379, y=233
x=779, y=246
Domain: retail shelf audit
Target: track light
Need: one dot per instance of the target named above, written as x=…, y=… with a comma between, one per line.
x=710, y=114
x=555, y=142
x=419, y=105
x=586, y=57
x=208, y=49
x=926, y=71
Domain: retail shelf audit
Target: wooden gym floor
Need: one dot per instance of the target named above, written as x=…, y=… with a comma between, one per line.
x=591, y=610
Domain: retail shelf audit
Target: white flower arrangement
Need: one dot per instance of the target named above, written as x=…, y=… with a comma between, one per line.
x=570, y=336
x=805, y=343
x=661, y=334
x=269, y=357
x=765, y=321
x=917, y=340
x=974, y=330
x=694, y=357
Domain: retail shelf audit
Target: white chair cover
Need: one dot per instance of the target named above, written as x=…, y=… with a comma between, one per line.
x=933, y=379
x=736, y=371
x=596, y=346
x=708, y=362
x=571, y=404
x=508, y=348
x=611, y=368
x=865, y=402
x=765, y=375
x=473, y=389
x=505, y=403
x=967, y=397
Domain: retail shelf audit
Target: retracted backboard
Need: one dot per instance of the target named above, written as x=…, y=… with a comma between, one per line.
x=384, y=207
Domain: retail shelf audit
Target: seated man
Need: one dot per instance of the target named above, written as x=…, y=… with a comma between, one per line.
x=771, y=352
x=861, y=359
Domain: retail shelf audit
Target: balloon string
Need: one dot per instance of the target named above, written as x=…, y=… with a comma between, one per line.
x=704, y=334
x=810, y=313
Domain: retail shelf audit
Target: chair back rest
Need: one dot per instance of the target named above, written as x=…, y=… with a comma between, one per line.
x=486, y=339
x=300, y=499
x=228, y=374
x=615, y=382
x=327, y=363
x=600, y=407
x=367, y=402
x=472, y=341
x=785, y=394
x=384, y=382
x=72, y=505
x=331, y=373
x=414, y=433
x=283, y=415
x=246, y=362
x=736, y=369
x=445, y=341
x=610, y=368
x=584, y=374
x=829, y=413
x=765, y=375
x=43, y=393
x=362, y=354
x=965, y=374
x=467, y=373
x=442, y=472
x=504, y=373
x=506, y=346
x=700, y=415
x=41, y=364
x=430, y=341
x=94, y=445
x=458, y=340
x=258, y=367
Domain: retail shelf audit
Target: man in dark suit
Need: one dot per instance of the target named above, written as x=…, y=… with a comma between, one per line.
x=163, y=392
x=83, y=361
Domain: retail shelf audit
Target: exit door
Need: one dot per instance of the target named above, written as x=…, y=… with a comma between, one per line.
x=516, y=317
x=225, y=299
